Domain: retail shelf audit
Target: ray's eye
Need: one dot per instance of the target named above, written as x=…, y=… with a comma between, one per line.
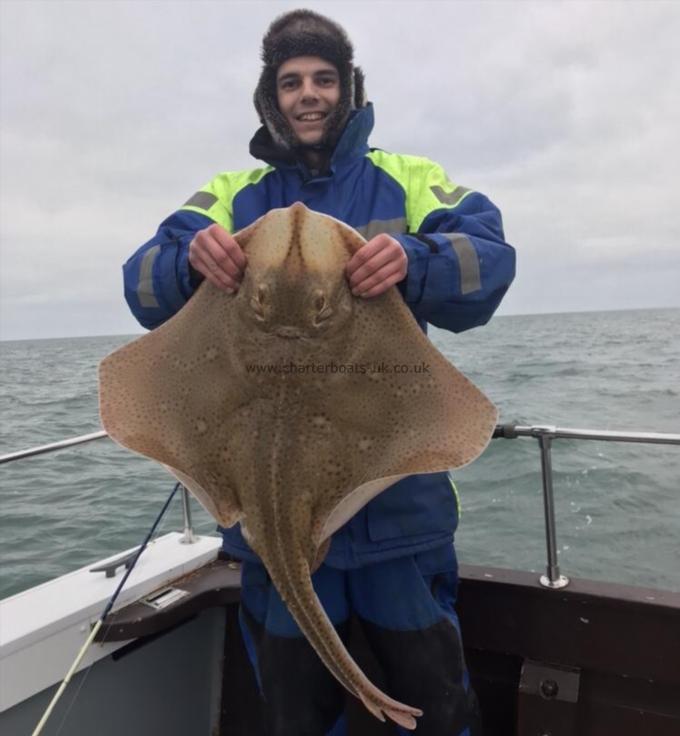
x=258, y=302
x=322, y=307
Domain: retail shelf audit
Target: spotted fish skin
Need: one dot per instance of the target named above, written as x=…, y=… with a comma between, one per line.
x=279, y=520
x=237, y=396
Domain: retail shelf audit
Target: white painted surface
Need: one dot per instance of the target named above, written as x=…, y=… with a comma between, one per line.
x=43, y=628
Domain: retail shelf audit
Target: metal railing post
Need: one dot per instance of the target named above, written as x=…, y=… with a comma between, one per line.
x=189, y=536
x=553, y=578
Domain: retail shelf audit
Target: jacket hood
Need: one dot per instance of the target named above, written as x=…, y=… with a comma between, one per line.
x=351, y=143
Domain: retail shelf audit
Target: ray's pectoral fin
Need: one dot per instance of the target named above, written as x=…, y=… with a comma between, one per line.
x=321, y=553
x=222, y=506
x=352, y=503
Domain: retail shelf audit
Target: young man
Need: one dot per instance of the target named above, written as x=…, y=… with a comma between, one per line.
x=393, y=565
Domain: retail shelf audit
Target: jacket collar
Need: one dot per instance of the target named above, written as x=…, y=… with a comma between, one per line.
x=352, y=144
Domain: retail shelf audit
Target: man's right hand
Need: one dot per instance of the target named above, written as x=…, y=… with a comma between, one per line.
x=216, y=255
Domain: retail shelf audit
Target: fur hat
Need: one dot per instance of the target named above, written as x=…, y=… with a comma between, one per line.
x=305, y=33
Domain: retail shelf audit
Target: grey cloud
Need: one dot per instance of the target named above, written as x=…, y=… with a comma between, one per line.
x=113, y=113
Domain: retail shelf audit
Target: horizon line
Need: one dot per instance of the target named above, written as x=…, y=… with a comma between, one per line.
x=497, y=316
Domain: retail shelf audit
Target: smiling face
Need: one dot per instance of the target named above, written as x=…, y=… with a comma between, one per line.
x=307, y=91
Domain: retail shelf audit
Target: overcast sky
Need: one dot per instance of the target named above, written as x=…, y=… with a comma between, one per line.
x=565, y=114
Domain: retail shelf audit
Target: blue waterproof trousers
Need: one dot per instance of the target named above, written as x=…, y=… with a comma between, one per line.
x=406, y=609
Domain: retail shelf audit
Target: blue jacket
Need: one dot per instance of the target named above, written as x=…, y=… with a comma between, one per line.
x=459, y=268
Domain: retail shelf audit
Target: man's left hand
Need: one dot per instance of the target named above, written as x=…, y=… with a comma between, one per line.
x=379, y=264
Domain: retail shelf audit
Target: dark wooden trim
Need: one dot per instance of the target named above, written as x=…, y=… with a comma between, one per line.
x=623, y=641
x=599, y=626
x=215, y=584
x=623, y=644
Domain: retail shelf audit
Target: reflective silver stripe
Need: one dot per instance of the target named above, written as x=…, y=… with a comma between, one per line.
x=468, y=261
x=204, y=200
x=450, y=198
x=375, y=227
x=145, y=288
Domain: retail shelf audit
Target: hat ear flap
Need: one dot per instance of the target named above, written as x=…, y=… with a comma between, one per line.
x=270, y=115
x=359, y=91
x=258, y=104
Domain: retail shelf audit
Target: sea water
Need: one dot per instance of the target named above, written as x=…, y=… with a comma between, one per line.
x=617, y=505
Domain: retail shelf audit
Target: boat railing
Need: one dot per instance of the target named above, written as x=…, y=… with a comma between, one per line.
x=189, y=536
x=545, y=434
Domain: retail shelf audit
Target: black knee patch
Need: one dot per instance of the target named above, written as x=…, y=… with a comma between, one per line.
x=301, y=697
x=424, y=668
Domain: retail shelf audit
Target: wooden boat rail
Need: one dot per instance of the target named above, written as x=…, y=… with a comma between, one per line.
x=593, y=659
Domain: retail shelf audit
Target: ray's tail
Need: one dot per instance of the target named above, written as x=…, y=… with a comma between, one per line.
x=304, y=605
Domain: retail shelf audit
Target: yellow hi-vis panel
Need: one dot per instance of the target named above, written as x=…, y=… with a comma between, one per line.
x=215, y=199
x=425, y=183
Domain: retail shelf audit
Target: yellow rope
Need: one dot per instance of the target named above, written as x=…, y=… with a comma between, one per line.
x=97, y=626
x=67, y=679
